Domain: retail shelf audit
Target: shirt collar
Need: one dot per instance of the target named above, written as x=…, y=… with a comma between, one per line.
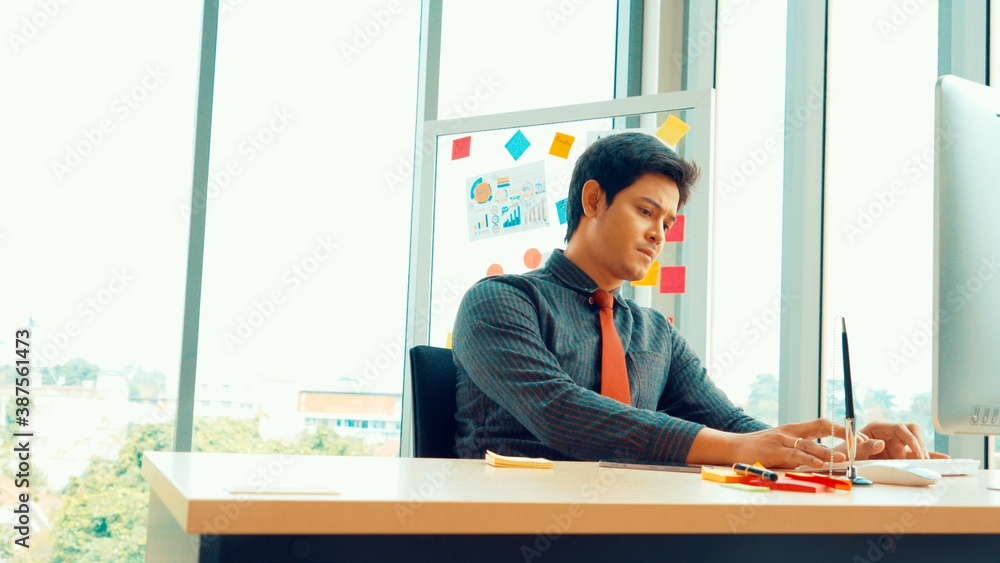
x=567, y=273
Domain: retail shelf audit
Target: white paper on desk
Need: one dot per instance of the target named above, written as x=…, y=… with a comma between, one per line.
x=283, y=490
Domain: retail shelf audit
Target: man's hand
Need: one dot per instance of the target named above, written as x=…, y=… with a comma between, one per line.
x=888, y=440
x=787, y=446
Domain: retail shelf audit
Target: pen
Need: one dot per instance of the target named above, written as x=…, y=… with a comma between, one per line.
x=748, y=469
x=850, y=430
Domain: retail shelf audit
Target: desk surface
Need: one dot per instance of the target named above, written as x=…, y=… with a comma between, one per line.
x=439, y=496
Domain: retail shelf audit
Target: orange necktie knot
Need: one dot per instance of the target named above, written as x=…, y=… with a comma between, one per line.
x=604, y=299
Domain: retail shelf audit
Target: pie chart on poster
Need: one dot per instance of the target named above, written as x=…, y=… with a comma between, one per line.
x=481, y=191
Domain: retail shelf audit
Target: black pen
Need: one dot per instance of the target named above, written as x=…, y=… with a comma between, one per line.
x=748, y=469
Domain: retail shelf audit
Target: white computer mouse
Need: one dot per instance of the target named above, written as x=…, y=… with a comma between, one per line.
x=898, y=473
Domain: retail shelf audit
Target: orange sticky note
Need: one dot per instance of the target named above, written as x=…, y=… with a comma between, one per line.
x=676, y=232
x=672, y=130
x=651, y=276
x=673, y=279
x=561, y=144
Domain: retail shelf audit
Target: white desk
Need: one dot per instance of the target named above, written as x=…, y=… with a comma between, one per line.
x=573, y=507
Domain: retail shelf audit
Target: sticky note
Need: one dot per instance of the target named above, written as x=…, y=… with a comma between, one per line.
x=447, y=343
x=748, y=488
x=494, y=270
x=673, y=279
x=517, y=144
x=651, y=276
x=670, y=320
x=785, y=484
x=561, y=211
x=498, y=460
x=561, y=144
x=676, y=232
x=723, y=475
x=460, y=148
x=672, y=130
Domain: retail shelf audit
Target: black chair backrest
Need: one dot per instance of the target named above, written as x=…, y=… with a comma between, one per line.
x=435, y=378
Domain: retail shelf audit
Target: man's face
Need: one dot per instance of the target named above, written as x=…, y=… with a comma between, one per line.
x=624, y=238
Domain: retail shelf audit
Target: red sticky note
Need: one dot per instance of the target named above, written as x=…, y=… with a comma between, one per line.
x=460, y=147
x=676, y=232
x=673, y=279
x=670, y=320
x=785, y=484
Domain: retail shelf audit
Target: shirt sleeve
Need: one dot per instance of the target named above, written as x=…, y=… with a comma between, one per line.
x=691, y=395
x=498, y=345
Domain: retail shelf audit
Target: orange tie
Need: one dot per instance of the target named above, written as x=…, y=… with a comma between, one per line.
x=614, y=374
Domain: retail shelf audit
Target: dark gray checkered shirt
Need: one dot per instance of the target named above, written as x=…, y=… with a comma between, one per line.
x=527, y=348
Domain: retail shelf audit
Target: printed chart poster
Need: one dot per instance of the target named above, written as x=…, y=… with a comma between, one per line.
x=507, y=201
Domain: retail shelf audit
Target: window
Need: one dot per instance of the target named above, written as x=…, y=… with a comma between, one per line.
x=94, y=258
x=750, y=78
x=312, y=148
x=879, y=184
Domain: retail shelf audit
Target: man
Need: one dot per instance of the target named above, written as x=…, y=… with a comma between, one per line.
x=529, y=348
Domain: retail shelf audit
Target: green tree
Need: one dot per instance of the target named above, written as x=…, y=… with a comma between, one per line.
x=146, y=385
x=879, y=405
x=762, y=403
x=76, y=371
x=103, y=517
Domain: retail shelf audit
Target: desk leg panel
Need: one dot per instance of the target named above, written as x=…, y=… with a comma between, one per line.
x=576, y=548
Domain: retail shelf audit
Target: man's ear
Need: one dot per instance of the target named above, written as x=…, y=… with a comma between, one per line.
x=591, y=197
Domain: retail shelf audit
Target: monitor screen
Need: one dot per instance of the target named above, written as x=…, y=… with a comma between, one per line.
x=966, y=362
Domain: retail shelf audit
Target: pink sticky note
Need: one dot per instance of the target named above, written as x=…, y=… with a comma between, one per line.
x=460, y=147
x=676, y=232
x=673, y=279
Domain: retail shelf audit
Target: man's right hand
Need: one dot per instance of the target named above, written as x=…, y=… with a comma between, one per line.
x=784, y=447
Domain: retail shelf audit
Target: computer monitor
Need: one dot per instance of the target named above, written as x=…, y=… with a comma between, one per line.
x=966, y=350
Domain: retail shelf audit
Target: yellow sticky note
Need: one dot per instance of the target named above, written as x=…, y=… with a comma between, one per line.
x=722, y=475
x=561, y=144
x=672, y=130
x=498, y=460
x=447, y=343
x=651, y=276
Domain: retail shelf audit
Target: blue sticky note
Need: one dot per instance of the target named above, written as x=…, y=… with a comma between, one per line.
x=561, y=209
x=517, y=145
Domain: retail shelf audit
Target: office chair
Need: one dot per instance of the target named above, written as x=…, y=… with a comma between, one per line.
x=434, y=378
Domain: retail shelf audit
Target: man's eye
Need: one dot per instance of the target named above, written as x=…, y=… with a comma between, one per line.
x=645, y=211
x=666, y=227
